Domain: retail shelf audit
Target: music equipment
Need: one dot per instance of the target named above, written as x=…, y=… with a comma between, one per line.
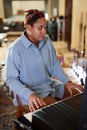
x=62, y=115
x=83, y=113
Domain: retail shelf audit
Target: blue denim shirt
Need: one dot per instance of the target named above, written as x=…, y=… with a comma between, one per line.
x=29, y=69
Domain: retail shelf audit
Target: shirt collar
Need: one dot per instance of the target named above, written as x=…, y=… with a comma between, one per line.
x=25, y=41
x=28, y=43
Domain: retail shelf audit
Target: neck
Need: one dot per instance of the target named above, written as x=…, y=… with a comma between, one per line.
x=30, y=39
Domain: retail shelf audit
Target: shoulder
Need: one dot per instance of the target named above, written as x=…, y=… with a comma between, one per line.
x=15, y=47
x=18, y=43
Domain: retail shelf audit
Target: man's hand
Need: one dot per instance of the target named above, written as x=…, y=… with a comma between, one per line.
x=72, y=88
x=35, y=102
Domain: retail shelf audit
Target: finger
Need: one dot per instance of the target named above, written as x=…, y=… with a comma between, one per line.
x=80, y=88
x=41, y=102
x=37, y=103
x=32, y=107
x=70, y=92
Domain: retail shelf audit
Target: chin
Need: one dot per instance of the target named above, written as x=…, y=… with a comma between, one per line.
x=41, y=38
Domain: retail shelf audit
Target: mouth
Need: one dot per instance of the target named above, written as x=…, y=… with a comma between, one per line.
x=42, y=36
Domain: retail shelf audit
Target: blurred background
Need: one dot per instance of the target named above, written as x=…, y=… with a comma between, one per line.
x=68, y=18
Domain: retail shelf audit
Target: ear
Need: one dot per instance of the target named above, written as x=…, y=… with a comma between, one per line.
x=28, y=27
